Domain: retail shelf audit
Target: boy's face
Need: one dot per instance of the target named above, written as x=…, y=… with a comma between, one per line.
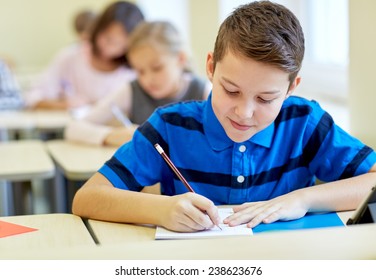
x=247, y=95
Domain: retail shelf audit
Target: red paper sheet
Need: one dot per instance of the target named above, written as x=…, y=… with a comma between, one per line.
x=8, y=229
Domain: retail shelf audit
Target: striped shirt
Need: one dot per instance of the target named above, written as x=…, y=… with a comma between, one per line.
x=302, y=144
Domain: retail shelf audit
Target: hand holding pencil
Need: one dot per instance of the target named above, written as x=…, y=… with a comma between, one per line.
x=213, y=216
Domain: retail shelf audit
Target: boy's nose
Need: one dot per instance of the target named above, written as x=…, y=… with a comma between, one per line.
x=245, y=110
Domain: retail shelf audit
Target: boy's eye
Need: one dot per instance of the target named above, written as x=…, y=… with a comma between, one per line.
x=266, y=101
x=231, y=92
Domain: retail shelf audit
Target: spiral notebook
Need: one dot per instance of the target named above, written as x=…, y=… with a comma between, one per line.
x=163, y=233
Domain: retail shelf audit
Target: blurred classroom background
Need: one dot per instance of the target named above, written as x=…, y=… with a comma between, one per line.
x=337, y=69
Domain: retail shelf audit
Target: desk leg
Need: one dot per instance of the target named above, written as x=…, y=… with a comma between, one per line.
x=6, y=197
x=42, y=189
x=58, y=196
x=72, y=188
x=22, y=198
x=4, y=135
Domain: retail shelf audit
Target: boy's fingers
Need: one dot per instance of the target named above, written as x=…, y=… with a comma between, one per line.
x=214, y=216
x=246, y=205
x=200, y=220
x=185, y=226
x=240, y=207
x=254, y=215
x=243, y=214
x=207, y=207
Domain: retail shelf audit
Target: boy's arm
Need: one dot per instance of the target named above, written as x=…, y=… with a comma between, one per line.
x=99, y=199
x=340, y=195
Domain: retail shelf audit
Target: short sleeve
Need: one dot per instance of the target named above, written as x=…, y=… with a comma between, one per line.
x=137, y=163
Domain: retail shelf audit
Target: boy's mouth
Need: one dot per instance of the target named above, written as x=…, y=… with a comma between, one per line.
x=239, y=126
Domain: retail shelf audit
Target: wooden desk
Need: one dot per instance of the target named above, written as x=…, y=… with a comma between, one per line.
x=50, y=120
x=116, y=233
x=21, y=162
x=14, y=120
x=338, y=243
x=27, y=120
x=25, y=160
x=77, y=163
x=54, y=231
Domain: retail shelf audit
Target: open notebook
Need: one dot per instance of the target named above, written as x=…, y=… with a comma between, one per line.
x=162, y=233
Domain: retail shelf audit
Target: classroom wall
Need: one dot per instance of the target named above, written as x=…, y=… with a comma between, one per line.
x=32, y=31
x=362, y=93
x=204, y=26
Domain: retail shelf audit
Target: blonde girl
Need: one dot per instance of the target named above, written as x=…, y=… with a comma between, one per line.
x=157, y=53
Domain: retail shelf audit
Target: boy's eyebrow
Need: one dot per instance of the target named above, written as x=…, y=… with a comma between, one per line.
x=271, y=92
x=230, y=82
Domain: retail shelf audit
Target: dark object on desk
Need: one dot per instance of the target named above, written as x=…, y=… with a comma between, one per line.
x=366, y=212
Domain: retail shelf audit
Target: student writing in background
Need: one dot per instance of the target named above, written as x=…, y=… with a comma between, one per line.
x=81, y=76
x=157, y=54
x=252, y=143
x=10, y=93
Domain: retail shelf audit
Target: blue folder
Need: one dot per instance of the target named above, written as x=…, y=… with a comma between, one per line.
x=315, y=220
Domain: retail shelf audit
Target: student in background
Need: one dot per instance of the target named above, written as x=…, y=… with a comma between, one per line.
x=83, y=75
x=251, y=143
x=158, y=55
x=10, y=93
x=82, y=23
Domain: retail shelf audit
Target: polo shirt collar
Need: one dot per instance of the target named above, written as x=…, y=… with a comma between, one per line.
x=218, y=138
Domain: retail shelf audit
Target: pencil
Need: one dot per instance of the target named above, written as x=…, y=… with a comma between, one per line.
x=175, y=170
x=116, y=111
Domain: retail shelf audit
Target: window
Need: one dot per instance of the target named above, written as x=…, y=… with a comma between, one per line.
x=324, y=72
x=325, y=25
x=175, y=11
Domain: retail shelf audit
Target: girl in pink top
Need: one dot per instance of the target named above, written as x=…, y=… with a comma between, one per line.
x=82, y=74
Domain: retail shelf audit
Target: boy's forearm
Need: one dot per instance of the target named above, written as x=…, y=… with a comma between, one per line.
x=340, y=195
x=107, y=203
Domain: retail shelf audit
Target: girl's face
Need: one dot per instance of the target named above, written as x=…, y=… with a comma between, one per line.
x=158, y=72
x=112, y=42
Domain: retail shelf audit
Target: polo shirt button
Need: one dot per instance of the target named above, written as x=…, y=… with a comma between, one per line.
x=240, y=179
x=242, y=148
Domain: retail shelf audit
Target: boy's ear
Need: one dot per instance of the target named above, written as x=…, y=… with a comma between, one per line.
x=183, y=59
x=210, y=66
x=294, y=85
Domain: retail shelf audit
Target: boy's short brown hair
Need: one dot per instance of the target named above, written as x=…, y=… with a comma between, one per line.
x=263, y=31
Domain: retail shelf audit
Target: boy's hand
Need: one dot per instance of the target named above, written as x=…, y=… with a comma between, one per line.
x=190, y=212
x=286, y=207
x=118, y=136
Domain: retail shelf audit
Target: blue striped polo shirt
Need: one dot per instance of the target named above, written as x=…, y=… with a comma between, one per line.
x=302, y=144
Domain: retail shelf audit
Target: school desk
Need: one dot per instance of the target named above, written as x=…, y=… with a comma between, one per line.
x=32, y=121
x=76, y=163
x=340, y=243
x=52, y=231
x=21, y=162
x=111, y=233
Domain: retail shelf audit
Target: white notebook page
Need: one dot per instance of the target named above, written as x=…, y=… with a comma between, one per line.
x=162, y=233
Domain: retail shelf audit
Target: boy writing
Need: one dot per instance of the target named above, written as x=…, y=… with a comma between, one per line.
x=251, y=143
